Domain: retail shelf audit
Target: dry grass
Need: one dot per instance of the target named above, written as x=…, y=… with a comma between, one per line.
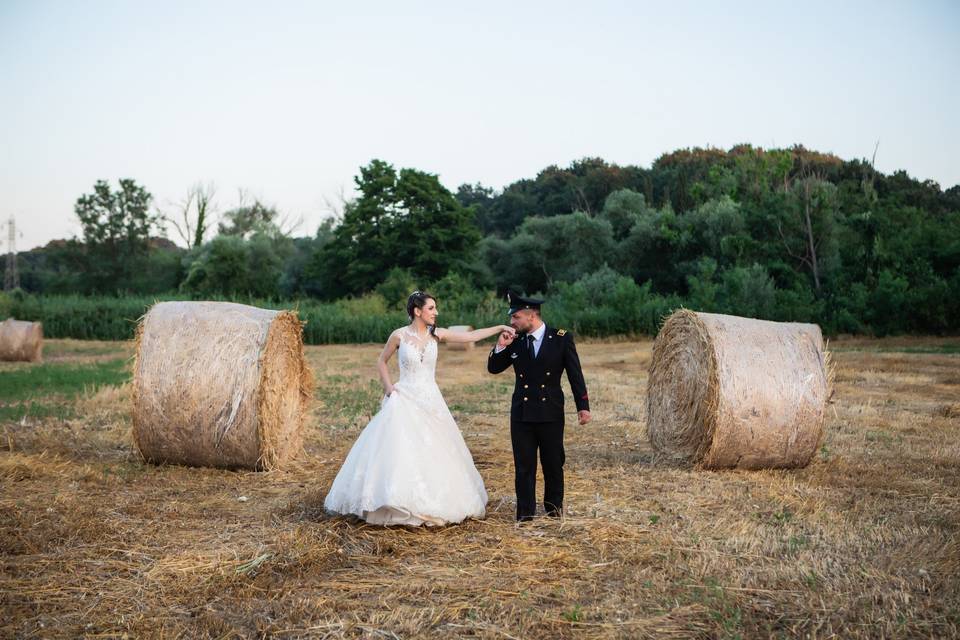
x=862, y=543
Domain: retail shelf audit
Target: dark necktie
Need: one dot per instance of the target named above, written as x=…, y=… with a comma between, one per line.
x=533, y=354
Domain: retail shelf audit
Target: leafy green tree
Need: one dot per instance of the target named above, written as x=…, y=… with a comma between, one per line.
x=297, y=278
x=522, y=264
x=719, y=229
x=657, y=244
x=219, y=267
x=787, y=234
x=547, y=250
x=807, y=225
x=246, y=220
x=480, y=199
x=58, y=268
x=703, y=288
x=406, y=219
x=228, y=265
x=582, y=186
x=116, y=229
x=888, y=303
x=397, y=287
x=511, y=207
x=622, y=209
x=605, y=302
x=747, y=291
x=456, y=295
x=160, y=271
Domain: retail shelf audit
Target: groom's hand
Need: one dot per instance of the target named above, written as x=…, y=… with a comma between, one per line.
x=584, y=416
x=505, y=339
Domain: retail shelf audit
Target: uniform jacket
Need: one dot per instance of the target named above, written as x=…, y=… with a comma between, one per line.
x=537, y=396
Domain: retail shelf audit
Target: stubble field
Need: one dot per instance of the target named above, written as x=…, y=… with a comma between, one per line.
x=865, y=542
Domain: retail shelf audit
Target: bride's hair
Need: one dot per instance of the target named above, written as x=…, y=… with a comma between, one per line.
x=417, y=300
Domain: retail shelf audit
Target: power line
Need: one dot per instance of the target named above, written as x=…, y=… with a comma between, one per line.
x=11, y=276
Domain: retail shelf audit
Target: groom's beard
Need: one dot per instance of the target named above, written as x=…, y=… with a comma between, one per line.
x=522, y=329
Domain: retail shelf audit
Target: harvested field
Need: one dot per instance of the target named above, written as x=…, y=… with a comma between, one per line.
x=864, y=542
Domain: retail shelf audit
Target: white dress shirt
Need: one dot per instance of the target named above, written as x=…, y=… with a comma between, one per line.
x=537, y=340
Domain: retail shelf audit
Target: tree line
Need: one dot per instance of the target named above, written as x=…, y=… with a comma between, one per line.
x=785, y=234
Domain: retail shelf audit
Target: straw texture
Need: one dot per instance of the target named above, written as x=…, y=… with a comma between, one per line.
x=730, y=392
x=21, y=340
x=219, y=384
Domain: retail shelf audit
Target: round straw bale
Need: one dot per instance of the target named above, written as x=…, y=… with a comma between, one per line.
x=460, y=345
x=729, y=392
x=219, y=384
x=21, y=340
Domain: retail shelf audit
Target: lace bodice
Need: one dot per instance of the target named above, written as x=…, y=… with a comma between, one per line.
x=417, y=357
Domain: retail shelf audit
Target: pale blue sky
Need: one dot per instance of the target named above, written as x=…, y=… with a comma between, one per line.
x=287, y=101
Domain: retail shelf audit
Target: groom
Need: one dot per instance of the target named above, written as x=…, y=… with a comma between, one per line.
x=539, y=355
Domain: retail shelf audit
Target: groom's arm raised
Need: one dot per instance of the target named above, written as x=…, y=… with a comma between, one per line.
x=499, y=359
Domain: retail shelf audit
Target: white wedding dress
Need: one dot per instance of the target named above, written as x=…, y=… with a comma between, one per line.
x=410, y=465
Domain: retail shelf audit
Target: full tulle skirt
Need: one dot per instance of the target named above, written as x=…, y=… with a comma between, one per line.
x=410, y=465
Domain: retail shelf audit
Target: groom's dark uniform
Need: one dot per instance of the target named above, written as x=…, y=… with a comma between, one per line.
x=536, y=411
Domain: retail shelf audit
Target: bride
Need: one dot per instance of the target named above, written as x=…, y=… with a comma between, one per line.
x=410, y=465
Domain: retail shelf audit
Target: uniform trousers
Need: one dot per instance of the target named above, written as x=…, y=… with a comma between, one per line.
x=527, y=439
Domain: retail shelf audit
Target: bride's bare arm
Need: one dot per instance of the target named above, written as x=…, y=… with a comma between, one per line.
x=393, y=343
x=472, y=336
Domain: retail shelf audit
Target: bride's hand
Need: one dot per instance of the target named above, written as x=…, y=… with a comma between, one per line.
x=507, y=335
x=388, y=391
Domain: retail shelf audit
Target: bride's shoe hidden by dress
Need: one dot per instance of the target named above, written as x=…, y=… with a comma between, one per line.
x=410, y=464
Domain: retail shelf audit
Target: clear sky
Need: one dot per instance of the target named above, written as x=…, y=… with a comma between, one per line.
x=287, y=100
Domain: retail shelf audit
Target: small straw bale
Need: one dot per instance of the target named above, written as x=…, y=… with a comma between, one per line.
x=21, y=341
x=219, y=384
x=465, y=346
x=730, y=392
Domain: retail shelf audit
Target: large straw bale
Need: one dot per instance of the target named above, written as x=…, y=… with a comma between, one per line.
x=729, y=392
x=219, y=384
x=464, y=346
x=21, y=340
